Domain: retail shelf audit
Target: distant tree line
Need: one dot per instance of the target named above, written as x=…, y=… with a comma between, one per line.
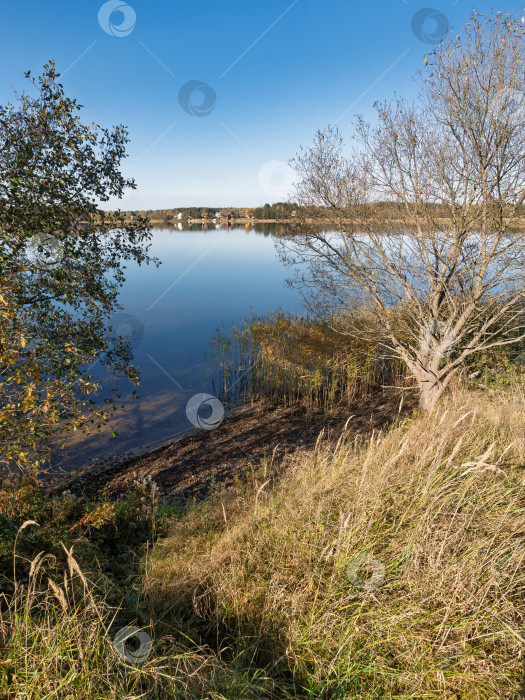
x=279, y=210
x=382, y=212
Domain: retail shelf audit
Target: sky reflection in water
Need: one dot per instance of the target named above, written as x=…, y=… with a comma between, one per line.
x=207, y=279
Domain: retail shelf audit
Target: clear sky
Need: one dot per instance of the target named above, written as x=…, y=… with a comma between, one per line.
x=271, y=73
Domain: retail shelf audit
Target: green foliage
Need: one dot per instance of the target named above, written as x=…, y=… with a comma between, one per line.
x=279, y=210
x=107, y=535
x=62, y=262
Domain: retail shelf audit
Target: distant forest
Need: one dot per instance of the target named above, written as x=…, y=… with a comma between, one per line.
x=378, y=211
x=279, y=210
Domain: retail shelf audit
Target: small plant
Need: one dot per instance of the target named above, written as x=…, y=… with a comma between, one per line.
x=107, y=535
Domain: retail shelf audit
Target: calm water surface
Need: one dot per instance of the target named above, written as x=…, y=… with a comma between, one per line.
x=207, y=279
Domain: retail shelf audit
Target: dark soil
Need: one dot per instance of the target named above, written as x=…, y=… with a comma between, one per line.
x=191, y=467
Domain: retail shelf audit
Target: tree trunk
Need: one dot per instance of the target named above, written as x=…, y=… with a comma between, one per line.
x=431, y=392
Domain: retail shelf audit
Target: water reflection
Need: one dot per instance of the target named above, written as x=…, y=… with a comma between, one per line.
x=209, y=276
x=267, y=229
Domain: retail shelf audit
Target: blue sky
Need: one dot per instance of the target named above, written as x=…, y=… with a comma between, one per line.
x=277, y=71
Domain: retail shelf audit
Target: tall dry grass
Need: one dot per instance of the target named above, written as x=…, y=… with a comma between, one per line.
x=438, y=501
x=59, y=639
x=298, y=360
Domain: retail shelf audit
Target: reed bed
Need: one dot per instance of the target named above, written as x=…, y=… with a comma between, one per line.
x=291, y=359
x=432, y=511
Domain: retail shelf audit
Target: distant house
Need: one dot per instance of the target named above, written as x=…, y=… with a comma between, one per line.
x=178, y=216
x=219, y=215
x=204, y=214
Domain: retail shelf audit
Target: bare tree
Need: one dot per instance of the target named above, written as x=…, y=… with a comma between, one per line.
x=420, y=226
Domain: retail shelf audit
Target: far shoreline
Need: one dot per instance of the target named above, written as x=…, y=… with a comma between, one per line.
x=516, y=227
x=217, y=221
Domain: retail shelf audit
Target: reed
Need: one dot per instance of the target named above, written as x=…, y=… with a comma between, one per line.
x=298, y=360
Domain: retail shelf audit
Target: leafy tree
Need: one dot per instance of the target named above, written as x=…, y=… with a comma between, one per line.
x=62, y=261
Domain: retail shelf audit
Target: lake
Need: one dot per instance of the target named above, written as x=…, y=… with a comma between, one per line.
x=207, y=279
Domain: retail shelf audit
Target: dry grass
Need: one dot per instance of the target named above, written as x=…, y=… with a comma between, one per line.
x=251, y=595
x=57, y=640
x=297, y=360
x=439, y=501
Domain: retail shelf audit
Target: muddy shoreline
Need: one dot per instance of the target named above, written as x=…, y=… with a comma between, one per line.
x=193, y=465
